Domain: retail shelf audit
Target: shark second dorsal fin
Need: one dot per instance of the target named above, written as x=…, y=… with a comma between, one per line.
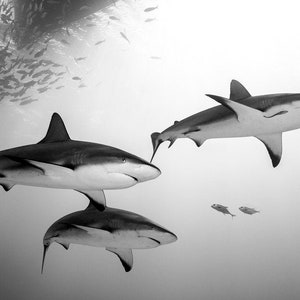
x=57, y=131
x=238, y=91
x=273, y=143
x=125, y=256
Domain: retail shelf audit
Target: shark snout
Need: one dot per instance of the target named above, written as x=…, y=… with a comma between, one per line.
x=143, y=171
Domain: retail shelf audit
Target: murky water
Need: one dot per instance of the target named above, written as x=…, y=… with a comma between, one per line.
x=117, y=75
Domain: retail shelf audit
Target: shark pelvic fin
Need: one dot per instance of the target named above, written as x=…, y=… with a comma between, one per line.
x=97, y=199
x=7, y=186
x=65, y=245
x=238, y=91
x=273, y=144
x=243, y=112
x=57, y=131
x=156, y=141
x=197, y=142
x=125, y=256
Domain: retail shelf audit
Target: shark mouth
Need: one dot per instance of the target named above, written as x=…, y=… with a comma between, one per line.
x=134, y=178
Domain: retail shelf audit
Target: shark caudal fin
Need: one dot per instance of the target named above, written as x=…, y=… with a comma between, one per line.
x=46, y=247
x=156, y=141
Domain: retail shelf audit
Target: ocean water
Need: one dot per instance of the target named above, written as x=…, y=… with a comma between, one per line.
x=139, y=78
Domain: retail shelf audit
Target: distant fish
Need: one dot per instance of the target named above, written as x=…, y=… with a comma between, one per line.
x=27, y=101
x=82, y=85
x=99, y=42
x=124, y=36
x=76, y=78
x=248, y=210
x=155, y=57
x=79, y=58
x=59, y=87
x=114, y=18
x=90, y=25
x=150, y=8
x=222, y=209
x=149, y=20
x=63, y=41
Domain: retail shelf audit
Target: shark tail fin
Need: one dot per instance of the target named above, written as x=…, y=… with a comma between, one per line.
x=44, y=256
x=156, y=141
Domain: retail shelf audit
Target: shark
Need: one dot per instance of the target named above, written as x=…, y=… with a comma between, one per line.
x=265, y=117
x=57, y=161
x=118, y=231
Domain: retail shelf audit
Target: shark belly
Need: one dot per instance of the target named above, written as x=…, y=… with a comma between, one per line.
x=54, y=176
x=231, y=127
x=118, y=239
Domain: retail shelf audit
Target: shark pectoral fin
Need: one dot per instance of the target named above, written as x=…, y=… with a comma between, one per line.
x=238, y=91
x=57, y=131
x=7, y=186
x=125, y=256
x=273, y=144
x=97, y=198
x=243, y=112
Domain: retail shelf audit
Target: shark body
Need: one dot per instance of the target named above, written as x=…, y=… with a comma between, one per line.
x=265, y=117
x=117, y=230
x=59, y=162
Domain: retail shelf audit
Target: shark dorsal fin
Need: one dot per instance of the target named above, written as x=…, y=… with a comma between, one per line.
x=238, y=91
x=57, y=131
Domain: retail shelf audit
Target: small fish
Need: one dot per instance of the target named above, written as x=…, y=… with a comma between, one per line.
x=248, y=210
x=90, y=25
x=63, y=41
x=59, y=87
x=222, y=209
x=79, y=58
x=150, y=8
x=82, y=85
x=124, y=36
x=155, y=57
x=27, y=101
x=149, y=20
x=76, y=78
x=114, y=18
x=99, y=42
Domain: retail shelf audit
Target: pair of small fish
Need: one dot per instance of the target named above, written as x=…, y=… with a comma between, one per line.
x=224, y=209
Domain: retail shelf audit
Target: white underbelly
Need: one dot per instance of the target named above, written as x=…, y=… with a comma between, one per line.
x=124, y=239
x=84, y=178
x=234, y=128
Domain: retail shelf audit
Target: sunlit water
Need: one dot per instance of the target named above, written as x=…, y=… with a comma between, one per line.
x=118, y=92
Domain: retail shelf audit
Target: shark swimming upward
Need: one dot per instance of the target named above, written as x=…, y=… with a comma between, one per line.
x=59, y=162
x=265, y=117
x=116, y=230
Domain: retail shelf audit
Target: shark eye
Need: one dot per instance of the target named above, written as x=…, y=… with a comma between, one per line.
x=124, y=160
